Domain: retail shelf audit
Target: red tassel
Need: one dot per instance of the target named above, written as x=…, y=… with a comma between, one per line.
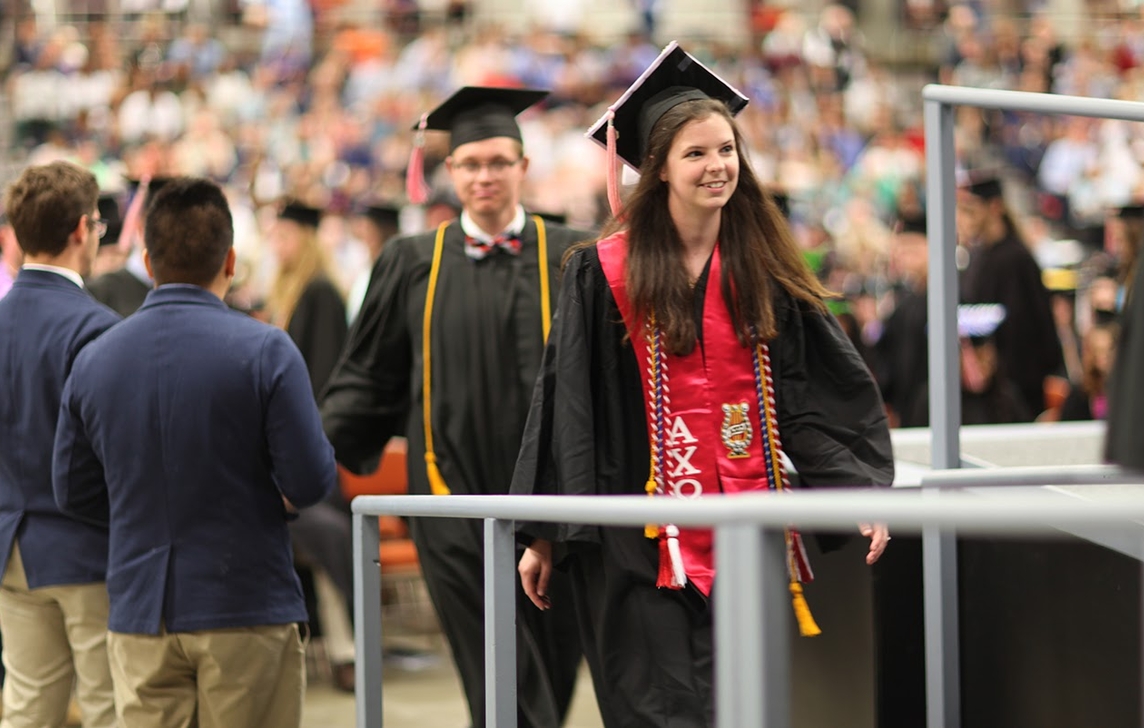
x=666, y=579
x=415, y=187
x=613, y=167
x=131, y=220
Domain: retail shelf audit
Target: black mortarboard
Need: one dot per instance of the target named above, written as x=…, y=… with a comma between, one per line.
x=384, y=215
x=911, y=223
x=979, y=321
x=300, y=213
x=153, y=185
x=1131, y=212
x=110, y=214
x=985, y=185
x=475, y=113
x=673, y=78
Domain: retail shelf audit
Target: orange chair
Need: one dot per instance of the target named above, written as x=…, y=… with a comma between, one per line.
x=404, y=599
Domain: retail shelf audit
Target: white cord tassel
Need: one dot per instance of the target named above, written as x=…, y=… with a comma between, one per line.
x=676, y=556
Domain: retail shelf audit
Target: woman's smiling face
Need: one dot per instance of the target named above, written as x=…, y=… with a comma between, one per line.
x=702, y=167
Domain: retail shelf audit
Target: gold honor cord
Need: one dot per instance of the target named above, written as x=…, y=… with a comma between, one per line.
x=436, y=483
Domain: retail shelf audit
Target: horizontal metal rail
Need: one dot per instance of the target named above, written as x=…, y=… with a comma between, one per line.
x=1036, y=103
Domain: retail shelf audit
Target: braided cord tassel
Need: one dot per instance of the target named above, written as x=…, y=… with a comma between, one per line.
x=655, y=386
x=797, y=565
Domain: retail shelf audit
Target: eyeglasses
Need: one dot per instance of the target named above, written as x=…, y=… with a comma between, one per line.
x=495, y=166
x=98, y=226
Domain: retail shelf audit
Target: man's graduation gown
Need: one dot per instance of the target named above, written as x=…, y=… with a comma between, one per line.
x=120, y=290
x=650, y=650
x=1029, y=350
x=487, y=344
x=1125, y=443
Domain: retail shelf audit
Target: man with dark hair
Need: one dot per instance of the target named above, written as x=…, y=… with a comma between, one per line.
x=192, y=430
x=53, y=601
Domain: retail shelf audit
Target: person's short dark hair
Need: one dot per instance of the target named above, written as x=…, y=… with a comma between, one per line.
x=45, y=204
x=188, y=231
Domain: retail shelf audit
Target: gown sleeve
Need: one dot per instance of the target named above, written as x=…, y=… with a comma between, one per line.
x=831, y=417
x=557, y=455
x=366, y=400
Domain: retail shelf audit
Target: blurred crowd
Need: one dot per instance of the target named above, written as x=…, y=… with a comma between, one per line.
x=321, y=109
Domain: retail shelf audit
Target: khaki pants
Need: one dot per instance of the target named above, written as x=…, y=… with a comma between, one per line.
x=250, y=677
x=54, y=637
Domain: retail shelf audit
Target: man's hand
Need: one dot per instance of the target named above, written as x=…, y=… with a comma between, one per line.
x=535, y=567
x=879, y=536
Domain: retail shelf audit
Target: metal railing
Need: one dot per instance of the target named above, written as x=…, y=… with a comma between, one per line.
x=939, y=549
x=751, y=621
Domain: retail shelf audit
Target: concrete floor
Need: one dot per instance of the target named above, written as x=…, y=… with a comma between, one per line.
x=427, y=698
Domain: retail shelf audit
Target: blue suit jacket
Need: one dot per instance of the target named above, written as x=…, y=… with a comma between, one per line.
x=44, y=322
x=184, y=426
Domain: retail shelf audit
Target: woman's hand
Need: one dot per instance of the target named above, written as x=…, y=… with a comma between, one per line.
x=879, y=536
x=535, y=567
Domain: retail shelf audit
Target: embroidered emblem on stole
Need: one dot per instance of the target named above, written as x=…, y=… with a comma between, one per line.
x=737, y=432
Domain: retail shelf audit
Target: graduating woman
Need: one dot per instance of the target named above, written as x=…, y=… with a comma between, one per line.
x=686, y=340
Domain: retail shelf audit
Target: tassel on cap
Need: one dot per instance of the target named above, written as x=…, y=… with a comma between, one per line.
x=436, y=482
x=613, y=166
x=131, y=221
x=806, y=624
x=415, y=187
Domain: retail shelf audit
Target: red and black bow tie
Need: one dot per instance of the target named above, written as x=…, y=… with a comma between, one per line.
x=478, y=249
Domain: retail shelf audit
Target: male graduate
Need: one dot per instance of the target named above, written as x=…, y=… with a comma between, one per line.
x=445, y=351
x=1002, y=270
x=53, y=601
x=191, y=429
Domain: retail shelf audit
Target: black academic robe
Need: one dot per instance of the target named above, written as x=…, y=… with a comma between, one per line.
x=120, y=290
x=1125, y=440
x=1028, y=348
x=649, y=650
x=318, y=327
x=487, y=343
x=901, y=354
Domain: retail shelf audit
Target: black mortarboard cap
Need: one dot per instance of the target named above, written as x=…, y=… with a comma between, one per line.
x=384, y=215
x=673, y=78
x=111, y=215
x=911, y=223
x=300, y=213
x=475, y=113
x=153, y=186
x=985, y=185
x=1131, y=212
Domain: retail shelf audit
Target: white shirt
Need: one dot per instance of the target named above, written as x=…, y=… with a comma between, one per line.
x=68, y=273
x=473, y=230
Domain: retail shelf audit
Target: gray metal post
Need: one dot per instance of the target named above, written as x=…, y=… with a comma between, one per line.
x=367, y=621
x=752, y=629
x=500, y=623
x=939, y=548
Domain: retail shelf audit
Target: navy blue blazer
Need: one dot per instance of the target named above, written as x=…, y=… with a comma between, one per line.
x=184, y=427
x=44, y=322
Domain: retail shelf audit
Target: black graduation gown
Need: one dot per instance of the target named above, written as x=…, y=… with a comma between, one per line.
x=120, y=290
x=649, y=650
x=318, y=328
x=487, y=343
x=1029, y=350
x=1125, y=439
x=902, y=355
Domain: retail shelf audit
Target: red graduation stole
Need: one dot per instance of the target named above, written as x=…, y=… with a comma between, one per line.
x=712, y=427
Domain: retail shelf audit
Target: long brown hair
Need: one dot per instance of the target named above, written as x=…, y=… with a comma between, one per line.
x=293, y=277
x=756, y=247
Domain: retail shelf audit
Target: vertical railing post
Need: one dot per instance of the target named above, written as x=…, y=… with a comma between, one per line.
x=500, y=623
x=752, y=628
x=939, y=548
x=367, y=621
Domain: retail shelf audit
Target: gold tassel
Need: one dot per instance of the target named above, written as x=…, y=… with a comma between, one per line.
x=651, y=530
x=806, y=624
x=436, y=482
